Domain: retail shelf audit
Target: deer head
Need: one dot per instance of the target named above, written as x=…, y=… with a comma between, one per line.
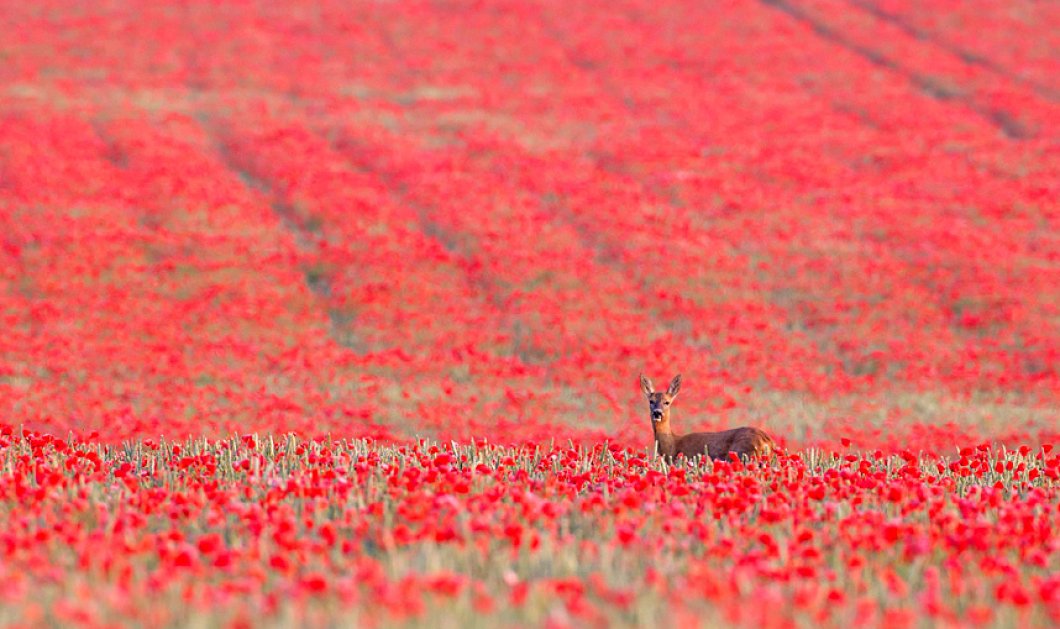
x=659, y=402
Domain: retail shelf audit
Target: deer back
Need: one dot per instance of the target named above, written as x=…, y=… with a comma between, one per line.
x=745, y=442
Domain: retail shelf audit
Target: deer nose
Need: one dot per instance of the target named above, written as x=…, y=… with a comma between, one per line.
x=656, y=413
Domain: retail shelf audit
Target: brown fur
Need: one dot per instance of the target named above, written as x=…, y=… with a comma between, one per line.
x=745, y=442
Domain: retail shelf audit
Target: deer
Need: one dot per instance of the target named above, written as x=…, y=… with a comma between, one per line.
x=745, y=442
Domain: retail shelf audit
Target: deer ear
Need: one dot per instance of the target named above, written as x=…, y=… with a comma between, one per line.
x=675, y=386
x=646, y=386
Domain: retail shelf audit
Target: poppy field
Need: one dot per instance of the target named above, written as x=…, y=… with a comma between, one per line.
x=271, y=532
x=333, y=313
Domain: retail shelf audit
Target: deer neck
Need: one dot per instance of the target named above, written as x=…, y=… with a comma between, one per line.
x=665, y=439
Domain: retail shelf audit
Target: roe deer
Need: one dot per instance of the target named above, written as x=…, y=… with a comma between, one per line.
x=745, y=442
